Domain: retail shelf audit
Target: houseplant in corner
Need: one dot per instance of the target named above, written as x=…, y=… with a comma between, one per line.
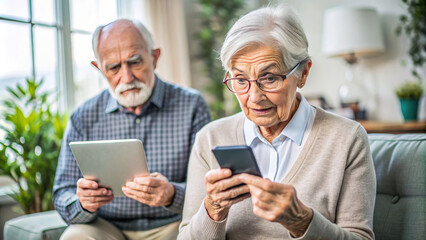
x=215, y=20
x=409, y=94
x=30, y=147
x=413, y=26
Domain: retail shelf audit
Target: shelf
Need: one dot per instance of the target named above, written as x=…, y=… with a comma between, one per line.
x=389, y=127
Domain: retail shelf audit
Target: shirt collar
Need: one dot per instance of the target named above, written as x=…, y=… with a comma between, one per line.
x=250, y=131
x=294, y=130
x=157, y=97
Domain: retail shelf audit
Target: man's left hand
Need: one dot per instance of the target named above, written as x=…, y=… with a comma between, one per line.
x=154, y=190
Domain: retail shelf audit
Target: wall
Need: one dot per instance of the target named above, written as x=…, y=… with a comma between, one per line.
x=378, y=75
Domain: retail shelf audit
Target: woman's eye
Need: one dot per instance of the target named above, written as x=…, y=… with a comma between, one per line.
x=241, y=81
x=270, y=78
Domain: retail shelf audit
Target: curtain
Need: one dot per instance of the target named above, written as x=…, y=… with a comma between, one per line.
x=166, y=21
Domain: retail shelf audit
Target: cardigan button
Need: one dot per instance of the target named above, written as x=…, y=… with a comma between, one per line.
x=395, y=199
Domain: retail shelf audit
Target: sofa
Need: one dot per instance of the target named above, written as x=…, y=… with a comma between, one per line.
x=8, y=207
x=400, y=211
x=400, y=164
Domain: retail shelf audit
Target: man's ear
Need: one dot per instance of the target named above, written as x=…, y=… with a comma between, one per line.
x=95, y=64
x=155, y=53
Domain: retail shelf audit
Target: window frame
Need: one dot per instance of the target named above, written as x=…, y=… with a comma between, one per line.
x=32, y=25
x=64, y=72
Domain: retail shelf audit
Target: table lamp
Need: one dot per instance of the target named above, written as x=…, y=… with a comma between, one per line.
x=351, y=32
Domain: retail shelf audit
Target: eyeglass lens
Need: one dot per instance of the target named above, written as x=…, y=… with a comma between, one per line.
x=266, y=83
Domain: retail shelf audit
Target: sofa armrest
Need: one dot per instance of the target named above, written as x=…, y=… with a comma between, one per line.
x=400, y=164
x=44, y=225
x=9, y=208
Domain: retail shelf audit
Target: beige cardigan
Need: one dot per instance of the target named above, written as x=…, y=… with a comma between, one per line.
x=334, y=175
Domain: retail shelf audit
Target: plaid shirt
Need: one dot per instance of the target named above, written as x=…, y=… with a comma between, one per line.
x=167, y=127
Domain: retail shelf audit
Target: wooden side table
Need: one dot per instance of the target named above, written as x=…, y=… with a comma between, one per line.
x=395, y=128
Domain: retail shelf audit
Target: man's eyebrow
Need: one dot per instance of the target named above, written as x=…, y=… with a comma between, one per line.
x=112, y=65
x=134, y=58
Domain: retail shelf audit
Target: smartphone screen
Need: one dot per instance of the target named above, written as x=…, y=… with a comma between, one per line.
x=239, y=159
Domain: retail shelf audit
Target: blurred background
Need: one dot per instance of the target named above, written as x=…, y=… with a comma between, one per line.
x=51, y=40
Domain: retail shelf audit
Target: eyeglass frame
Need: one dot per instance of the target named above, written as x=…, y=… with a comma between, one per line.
x=283, y=76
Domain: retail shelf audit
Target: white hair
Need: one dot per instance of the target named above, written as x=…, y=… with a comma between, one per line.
x=132, y=99
x=146, y=35
x=278, y=27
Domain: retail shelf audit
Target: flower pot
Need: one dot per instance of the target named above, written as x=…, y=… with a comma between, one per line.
x=409, y=108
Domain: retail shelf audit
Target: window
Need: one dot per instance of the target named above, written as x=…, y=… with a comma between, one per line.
x=52, y=40
x=85, y=17
x=28, y=43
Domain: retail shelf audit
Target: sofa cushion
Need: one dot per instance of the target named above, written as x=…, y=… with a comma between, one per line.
x=44, y=225
x=400, y=208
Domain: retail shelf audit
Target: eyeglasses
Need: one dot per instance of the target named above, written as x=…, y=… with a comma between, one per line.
x=268, y=83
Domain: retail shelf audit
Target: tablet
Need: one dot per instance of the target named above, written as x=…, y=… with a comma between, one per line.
x=111, y=162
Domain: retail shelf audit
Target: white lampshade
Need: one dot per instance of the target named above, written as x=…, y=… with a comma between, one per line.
x=351, y=30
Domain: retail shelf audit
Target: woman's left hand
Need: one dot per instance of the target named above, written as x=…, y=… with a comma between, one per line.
x=277, y=202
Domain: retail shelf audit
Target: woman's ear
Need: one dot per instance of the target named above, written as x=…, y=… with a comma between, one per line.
x=305, y=73
x=306, y=69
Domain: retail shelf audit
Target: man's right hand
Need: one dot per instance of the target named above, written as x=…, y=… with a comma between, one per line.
x=91, y=197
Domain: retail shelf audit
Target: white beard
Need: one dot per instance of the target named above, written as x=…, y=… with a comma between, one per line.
x=132, y=99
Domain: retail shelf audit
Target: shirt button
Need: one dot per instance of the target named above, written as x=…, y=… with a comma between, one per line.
x=138, y=120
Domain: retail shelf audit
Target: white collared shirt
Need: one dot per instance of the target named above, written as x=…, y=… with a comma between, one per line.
x=276, y=159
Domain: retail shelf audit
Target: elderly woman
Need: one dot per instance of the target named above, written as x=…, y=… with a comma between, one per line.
x=319, y=181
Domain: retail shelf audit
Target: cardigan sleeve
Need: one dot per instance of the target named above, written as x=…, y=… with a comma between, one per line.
x=355, y=207
x=196, y=223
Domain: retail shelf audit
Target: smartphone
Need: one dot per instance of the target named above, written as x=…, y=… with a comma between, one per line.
x=239, y=159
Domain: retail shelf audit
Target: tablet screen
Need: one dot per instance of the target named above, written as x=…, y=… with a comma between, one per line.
x=111, y=162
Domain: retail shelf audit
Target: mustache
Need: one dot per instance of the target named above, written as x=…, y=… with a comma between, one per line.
x=126, y=86
x=133, y=98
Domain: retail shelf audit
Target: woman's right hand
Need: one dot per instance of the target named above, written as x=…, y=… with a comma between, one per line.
x=91, y=196
x=223, y=190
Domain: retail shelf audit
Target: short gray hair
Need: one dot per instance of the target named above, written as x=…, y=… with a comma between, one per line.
x=146, y=35
x=278, y=27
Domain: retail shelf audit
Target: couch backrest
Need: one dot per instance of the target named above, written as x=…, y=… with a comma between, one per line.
x=400, y=162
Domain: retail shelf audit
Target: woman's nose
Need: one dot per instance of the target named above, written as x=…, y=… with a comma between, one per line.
x=255, y=94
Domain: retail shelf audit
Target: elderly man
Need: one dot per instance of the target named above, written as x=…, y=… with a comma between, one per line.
x=139, y=105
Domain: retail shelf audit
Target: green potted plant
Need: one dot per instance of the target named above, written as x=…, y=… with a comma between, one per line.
x=216, y=18
x=409, y=94
x=30, y=147
x=413, y=26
